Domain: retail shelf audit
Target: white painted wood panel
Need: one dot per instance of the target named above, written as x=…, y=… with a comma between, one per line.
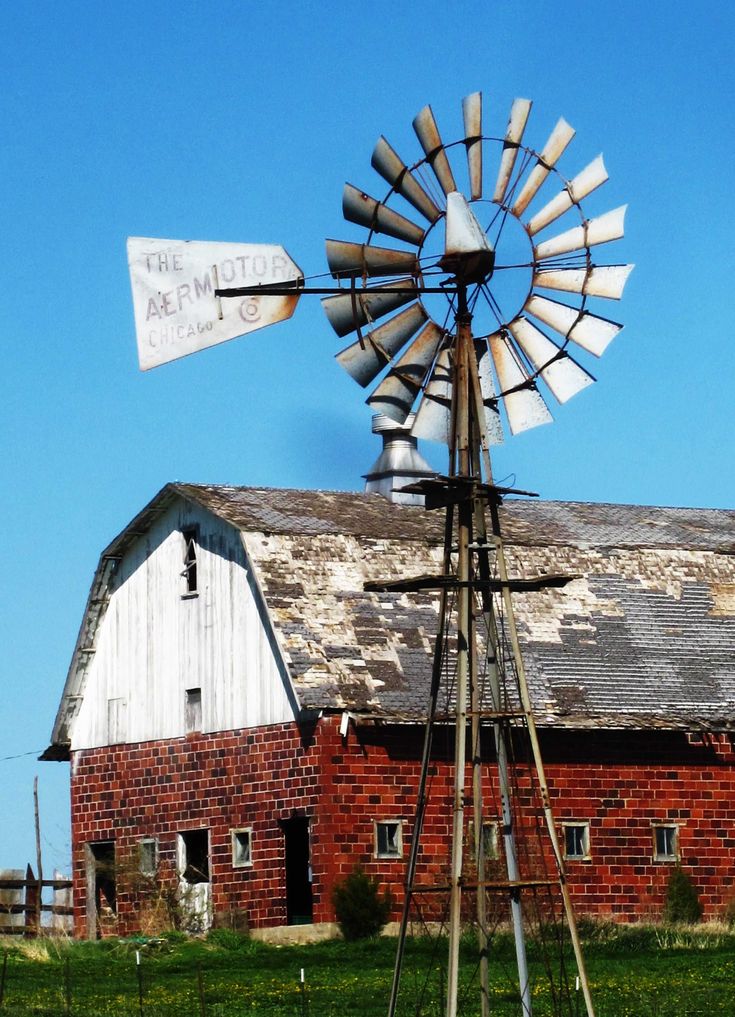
x=154, y=641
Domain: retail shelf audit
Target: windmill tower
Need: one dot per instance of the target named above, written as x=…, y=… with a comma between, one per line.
x=467, y=346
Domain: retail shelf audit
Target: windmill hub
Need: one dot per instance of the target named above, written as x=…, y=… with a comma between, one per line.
x=468, y=254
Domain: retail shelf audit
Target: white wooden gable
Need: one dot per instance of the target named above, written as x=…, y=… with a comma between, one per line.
x=154, y=640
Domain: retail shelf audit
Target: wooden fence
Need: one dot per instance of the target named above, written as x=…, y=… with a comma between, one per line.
x=22, y=909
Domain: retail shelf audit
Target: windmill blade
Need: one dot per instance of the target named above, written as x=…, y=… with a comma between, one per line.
x=353, y=309
x=360, y=208
x=524, y=406
x=434, y=418
x=472, y=115
x=365, y=358
x=393, y=169
x=427, y=132
x=591, y=177
x=558, y=141
x=516, y=125
x=598, y=281
x=493, y=423
x=589, y=331
x=348, y=260
x=396, y=393
x=563, y=375
x=607, y=227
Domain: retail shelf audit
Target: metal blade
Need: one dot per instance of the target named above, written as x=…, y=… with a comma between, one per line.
x=587, y=330
x=359, y=207
x=600, y=281
x=434, y=418
x=524, y=406
x=349, y=311
x=347, y=260
x=427, y=132
x=493, y=423
x=558, y=141
x=366, y=358
x=393, y=169
x=563, y=375
x=395, y=395
x=472, y=114
x=584, y=183
x=610, y=226
x=516, y=125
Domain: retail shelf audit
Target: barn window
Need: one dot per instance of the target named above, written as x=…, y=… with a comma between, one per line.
x=665, y=843
x=190, y=560
x=242, y=848
x=490, y=840
x=388, y=838
x=148, y=856
x=194, y=856
x=576, y=840
x=116, y=721
x=193, y=711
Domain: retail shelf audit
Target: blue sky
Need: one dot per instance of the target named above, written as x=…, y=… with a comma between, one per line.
x=241, y=122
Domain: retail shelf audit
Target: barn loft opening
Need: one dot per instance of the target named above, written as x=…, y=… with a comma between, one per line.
x=190, y=559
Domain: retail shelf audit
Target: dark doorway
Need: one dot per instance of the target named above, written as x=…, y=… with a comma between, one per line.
x=101, y=889
x=299, y=905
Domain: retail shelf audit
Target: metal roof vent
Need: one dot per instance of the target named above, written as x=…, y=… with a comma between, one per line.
x=399, y=464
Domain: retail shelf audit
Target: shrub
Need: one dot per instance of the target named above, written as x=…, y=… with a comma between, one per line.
x=360, y=908
x=682, y=900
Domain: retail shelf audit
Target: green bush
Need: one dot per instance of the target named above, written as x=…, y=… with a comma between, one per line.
x=360, y=908
x=682, y=900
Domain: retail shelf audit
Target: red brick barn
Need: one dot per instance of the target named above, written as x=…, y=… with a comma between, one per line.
x=243, y=720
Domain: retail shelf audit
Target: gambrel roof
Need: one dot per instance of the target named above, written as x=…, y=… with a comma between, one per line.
x=645, y=637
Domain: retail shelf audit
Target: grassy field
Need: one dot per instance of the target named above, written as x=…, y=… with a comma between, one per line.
x=635, y=972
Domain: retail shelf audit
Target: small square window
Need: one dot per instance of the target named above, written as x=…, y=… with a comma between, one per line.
x=576, y=840
x=148, y=856
x=242, y=848
x=388, y=838
x=665, y=843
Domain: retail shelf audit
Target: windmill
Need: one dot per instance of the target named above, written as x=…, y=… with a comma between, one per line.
x=467, y=382
x=459, y=326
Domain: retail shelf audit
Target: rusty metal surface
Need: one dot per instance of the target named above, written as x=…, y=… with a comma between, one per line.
x=552, y=151
x=563, y=375
x=366, y=357
x=360, y=208
x=524, y=407
x=519, y=112
x=590, y=178
x=348, y=260
x=176, y=309
x=601, y=230
x=393, y=169
x=587, y=330
x=427, y=132
x=472, y=116
x=349, y=311
x=599, y=281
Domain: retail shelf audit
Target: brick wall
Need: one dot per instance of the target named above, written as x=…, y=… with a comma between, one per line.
x=619, y=783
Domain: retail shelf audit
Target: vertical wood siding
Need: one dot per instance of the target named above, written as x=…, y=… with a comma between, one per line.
x=155, y=641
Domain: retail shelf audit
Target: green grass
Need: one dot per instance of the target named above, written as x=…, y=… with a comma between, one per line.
x=634, y=971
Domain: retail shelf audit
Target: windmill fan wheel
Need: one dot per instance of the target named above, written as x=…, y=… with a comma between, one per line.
x=497, y=246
